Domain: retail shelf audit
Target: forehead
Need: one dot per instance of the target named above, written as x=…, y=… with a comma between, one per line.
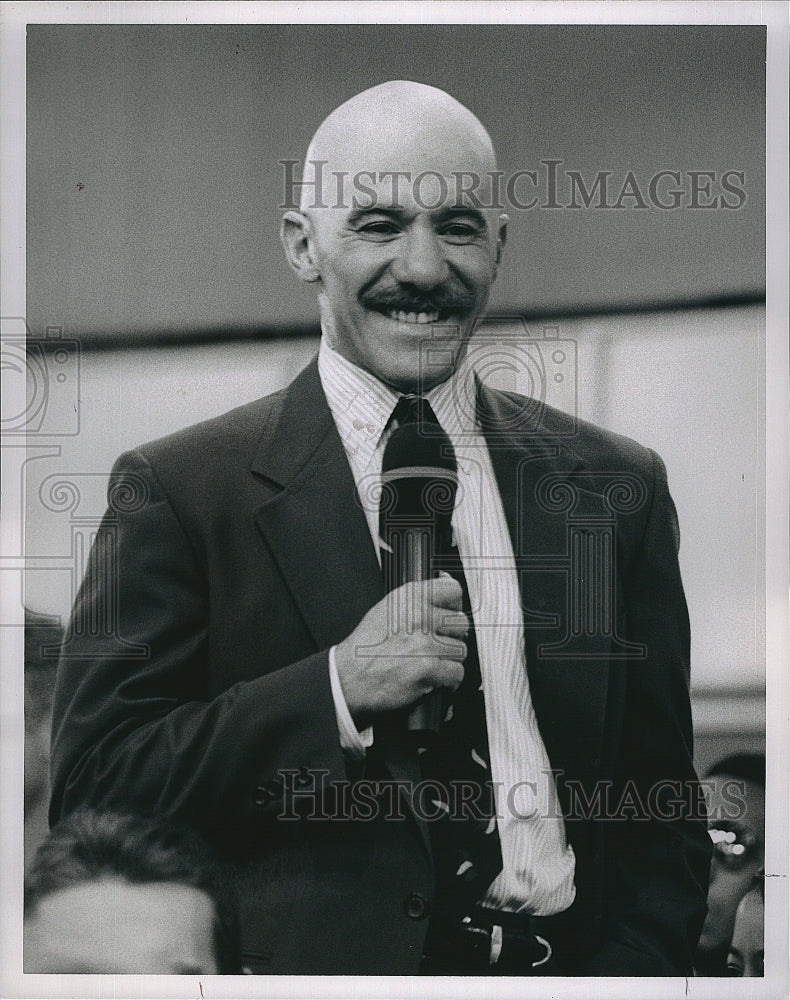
x=347, y=197
x=412, y=154
x=415, y=167
x=731, y=794
x=750, y=920
x=115, y=926
x=754, y=797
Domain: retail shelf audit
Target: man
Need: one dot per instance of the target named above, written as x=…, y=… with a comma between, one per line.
x=258, y=674
x=737, y=830
x=124, y=895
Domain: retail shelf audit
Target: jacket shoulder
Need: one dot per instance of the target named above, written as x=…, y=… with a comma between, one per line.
x=232, y=435
x=594, y=446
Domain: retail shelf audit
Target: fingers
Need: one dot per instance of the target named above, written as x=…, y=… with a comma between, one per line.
x=450, y=673
x=441, y=592
x=449, y=649
x=442, y=671
x=446, y=600
x=453, y=624
x=445, y=592
x=436, y=603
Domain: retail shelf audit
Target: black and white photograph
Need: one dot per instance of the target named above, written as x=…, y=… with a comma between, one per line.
x=395, y=500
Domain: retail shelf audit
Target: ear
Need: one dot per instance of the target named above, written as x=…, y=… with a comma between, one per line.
x=501, y=240
x=295, y=238
x=501, y=237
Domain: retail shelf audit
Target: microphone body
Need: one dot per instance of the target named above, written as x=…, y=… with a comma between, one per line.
x=419, y=484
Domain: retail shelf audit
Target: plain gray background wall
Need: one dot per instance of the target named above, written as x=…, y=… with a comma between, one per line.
x=154, y=177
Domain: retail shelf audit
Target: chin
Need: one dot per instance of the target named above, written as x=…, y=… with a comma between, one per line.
x=412, y=382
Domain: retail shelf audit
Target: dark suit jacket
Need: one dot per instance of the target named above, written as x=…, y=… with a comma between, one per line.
x=195, y=683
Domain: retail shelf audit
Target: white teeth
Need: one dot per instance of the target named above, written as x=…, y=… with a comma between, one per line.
x=419, y=318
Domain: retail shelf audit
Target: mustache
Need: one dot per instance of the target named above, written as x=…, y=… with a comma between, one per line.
x=446, y=299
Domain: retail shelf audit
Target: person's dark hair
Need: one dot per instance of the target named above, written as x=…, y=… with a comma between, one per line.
x=745, y=766
x=89, y=845
x=43, y=637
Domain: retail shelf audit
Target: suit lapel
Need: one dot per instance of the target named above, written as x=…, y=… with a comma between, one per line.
x=317, y=533
x=315, y=526
x=569, y=695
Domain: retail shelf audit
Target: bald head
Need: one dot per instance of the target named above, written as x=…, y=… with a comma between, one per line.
x=398, y=231
x=396, y=126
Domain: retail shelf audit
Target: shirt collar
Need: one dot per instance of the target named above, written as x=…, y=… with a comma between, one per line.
x=455, y=401
x=362, y=405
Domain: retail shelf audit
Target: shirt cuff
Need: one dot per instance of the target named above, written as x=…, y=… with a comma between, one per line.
x=352, y=740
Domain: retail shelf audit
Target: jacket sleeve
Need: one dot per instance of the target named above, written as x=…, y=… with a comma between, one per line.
x=136, y=724
x=657, y=847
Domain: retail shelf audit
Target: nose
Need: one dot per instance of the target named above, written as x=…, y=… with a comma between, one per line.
x=420, y=261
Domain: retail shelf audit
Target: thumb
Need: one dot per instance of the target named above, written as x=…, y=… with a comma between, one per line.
x=446, y=592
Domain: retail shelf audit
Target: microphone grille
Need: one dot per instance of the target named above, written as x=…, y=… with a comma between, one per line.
x=411, y=445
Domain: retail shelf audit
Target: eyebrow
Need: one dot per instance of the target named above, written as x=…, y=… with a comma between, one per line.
x=400, y=214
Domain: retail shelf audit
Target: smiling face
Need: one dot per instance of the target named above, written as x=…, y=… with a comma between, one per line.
x=395, y=284
x=738, y=856
x=403, y=266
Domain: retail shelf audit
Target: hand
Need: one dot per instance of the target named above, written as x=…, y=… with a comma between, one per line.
x=408, y=644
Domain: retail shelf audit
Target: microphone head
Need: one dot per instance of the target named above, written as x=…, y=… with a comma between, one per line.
x=419, y=474
x=415, y=445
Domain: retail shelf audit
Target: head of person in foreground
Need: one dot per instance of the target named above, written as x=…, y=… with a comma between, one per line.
x=127, y=895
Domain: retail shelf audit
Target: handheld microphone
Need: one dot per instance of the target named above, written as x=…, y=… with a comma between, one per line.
x=419, y=484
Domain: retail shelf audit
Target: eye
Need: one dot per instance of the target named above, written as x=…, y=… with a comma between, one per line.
x=379, y=229
x=461, y=232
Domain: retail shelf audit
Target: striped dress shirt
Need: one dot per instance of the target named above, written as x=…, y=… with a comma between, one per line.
x=538, y=864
